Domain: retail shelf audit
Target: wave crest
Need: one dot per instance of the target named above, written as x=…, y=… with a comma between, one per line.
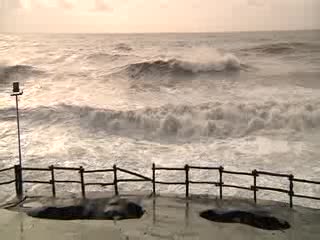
x=208, y=120
x=215, y=120
x=123, y=47
x=284, y=48
x=16, y=72
x=227, y=63
x=105, y=57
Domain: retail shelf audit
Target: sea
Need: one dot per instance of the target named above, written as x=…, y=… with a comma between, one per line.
x=243, y=100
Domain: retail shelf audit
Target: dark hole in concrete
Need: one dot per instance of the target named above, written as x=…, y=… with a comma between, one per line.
x=116, y=209
x=255, y=219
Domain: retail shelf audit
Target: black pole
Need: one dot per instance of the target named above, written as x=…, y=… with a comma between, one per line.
x=53, y=181
x=153, y=179
x=291, y=193
x=186, y=167
x=115, y=180
x=83, y=189
x=220, y=180
x=254, y=173
x=18, y=178
x=18, y=126
x=16, y=92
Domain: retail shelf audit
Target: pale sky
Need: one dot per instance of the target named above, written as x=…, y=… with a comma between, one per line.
x=157, y=15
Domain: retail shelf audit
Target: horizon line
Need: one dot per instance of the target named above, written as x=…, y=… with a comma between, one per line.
x=163, y=32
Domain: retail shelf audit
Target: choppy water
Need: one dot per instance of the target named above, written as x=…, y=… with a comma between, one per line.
x=242, y=100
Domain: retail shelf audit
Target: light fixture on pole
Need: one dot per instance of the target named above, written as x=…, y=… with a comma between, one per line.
x=17, y=92
x=18, y=168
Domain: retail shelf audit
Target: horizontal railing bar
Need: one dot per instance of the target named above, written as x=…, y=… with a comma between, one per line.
x=36, y=169
x=308, y=197
x=66, y=181
x=170, y=183
x=133, y=180
x=134, y=174
x=98, y=171
x=237, y=173
x=142, y=178
x=273, y=174
x=40, y=182
x=97, y=184
x=305, y=181
x=67, y=168
x=6, y=169
x=194, y=182
x=8, y=182
x=234, y=186
x=204, y=168
x=169, y=169
x=272, y=189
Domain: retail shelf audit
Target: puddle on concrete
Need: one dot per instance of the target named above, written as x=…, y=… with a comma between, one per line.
x=252, y=218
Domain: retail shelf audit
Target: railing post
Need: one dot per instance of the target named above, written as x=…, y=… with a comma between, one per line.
x=153, y=179
x=53, y=181
x=115, y=180
x=83, y=190
x=291, y=193
x=255, y=174
x=19, y=184
x=186, y=167
x=220, y=180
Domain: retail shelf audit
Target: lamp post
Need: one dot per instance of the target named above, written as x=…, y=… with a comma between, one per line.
x=17, y=92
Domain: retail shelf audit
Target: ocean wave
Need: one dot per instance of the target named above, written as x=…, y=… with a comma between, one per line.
x=123, y=47
x=227, y=63
x=17, y=72
x=105, y=57
x=284, y=48
x=217, y=120
x=208, y=120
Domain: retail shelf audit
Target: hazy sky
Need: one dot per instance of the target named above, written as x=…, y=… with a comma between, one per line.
x=157, y=15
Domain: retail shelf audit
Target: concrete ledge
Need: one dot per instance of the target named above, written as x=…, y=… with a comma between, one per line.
x=165, y=218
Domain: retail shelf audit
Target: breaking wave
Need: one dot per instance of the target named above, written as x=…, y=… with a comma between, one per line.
x=215, y=120
x=227, y=63
x=284, y=48
x=16, y=72
x=209, y=120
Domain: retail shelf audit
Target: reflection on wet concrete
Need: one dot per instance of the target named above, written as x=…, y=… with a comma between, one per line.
x=165, y=218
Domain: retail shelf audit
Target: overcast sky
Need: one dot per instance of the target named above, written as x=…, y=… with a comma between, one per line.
x=157, y=15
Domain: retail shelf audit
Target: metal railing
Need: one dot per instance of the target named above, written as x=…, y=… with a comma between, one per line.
x=18, y=171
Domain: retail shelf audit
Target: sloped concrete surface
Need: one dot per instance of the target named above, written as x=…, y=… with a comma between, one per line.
x=165, y=218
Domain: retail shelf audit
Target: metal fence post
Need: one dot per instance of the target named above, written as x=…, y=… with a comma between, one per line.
x=153, y=179
x=83, y=190
x=186, y=167
x=291, y=193
x=115, y=180
x=220, y=180
x=53, y=181
x=255, y=174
